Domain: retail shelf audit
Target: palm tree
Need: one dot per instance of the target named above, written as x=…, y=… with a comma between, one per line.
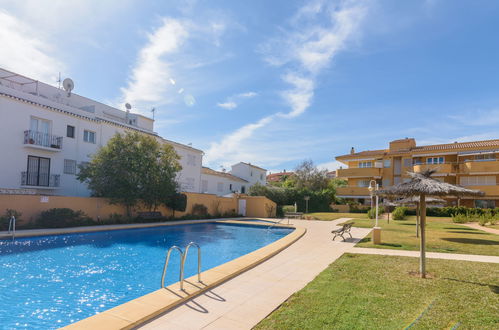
x=422, y=184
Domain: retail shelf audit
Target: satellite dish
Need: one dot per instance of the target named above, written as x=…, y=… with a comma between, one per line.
x=68, y=85
x=128, y=106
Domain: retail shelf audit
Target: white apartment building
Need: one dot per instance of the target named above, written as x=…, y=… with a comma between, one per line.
x=238, y=180
x=45, y=132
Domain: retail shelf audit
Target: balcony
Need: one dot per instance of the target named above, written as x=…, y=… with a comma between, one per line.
x=40, y=180
x=352, y=191
x=446, y=168
x=44, y=141
x=365, y=172
x=492, y=190
x=477, y=167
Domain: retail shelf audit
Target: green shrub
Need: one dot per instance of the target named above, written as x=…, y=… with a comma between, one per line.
x=483, y=220
x=4, y=220
x=399, y=213
x=63, y=217
x=459, y=218
x=371, y=214
x=358, y=209
x=288, y=208
x=199, y=210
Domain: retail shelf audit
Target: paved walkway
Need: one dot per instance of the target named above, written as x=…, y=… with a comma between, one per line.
x=242, y=302
x=475, y=225
x=431, y=255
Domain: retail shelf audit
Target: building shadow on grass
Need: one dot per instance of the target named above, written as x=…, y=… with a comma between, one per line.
x=494, y=288
x=471, y=241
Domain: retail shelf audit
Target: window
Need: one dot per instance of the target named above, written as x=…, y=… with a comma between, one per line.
x=407, y=162
x=485, y=204
x=396, y=180
x=387, y=163
x=89, y=136
x=204, y=186
x=69, y=166
x=220, y=187
x=485, y=180
x=230, y=186
x=70, y=131
x=261, y=176
x=435, y=160
x=363, y=183
x=486, y=157
x=243, y=189
x=191, y=160
x=251, y=173
x=386, y=182
x=40, y=125
x=38, y=172
x=365, y=164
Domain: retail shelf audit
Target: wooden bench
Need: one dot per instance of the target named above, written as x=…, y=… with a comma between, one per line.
x=150, y=215
x=293, y=215
x=345, y=229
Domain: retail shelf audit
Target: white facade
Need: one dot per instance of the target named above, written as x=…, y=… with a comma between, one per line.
x=251, y=173
x=45, y=133
x=220, y=183
x=239, y=180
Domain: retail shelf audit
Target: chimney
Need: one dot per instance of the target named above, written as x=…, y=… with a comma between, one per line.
x=352, y=151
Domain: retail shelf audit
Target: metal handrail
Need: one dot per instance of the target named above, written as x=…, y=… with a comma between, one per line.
x=167, y=260
x=12, y=227
x=183, y=262
x=277, y=223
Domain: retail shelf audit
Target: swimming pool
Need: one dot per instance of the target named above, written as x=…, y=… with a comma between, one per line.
x=51, y=281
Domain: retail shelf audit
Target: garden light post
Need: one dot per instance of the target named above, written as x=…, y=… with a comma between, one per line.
x=306, y=198
x=374, y=187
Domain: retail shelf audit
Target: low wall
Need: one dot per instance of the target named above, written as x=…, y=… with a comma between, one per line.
x=32, y=205
x=259, y=207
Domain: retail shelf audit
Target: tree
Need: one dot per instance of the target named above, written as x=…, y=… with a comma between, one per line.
x=132, y=169
x=177, y=202
x=308, y=176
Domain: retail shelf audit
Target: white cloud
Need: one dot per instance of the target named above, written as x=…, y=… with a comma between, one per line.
x=25, y=51
x=330, y=166
x=151, y=77
x=230, y=103
x=317, y=32
x=232, y=141
x=247, y=94
x=227, y=105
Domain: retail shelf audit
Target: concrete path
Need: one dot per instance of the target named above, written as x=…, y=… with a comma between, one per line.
x=431, y=255
x=242, y=302
x=475, y=225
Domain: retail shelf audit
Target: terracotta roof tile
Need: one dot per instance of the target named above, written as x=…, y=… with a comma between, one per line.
x=209, y=171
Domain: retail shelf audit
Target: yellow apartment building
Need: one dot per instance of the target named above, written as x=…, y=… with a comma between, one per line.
x=474, y=165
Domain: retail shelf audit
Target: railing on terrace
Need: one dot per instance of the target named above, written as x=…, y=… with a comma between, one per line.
x=42, y=139
x=36, y=179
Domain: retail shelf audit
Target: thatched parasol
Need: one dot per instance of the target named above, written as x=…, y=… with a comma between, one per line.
x=414, y=200
x=422, y=185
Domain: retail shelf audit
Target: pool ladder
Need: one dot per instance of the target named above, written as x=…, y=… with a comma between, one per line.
x=277, y=223
x=12, y=227
x=183, y=257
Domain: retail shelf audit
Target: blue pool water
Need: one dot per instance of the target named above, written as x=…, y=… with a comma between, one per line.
x=51, y=281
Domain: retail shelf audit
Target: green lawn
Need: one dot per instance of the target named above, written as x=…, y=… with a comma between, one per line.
x=442, y=235
x=328, y=216
x=377, y=292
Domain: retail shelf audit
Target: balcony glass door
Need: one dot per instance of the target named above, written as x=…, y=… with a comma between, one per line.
x=40, y=130
x=38, y=173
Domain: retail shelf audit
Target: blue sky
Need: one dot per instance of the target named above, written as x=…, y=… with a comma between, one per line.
x=273, y=82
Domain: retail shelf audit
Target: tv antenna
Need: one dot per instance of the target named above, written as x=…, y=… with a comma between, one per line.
x=68, y=85
x=128, y=107
x=153, y=110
